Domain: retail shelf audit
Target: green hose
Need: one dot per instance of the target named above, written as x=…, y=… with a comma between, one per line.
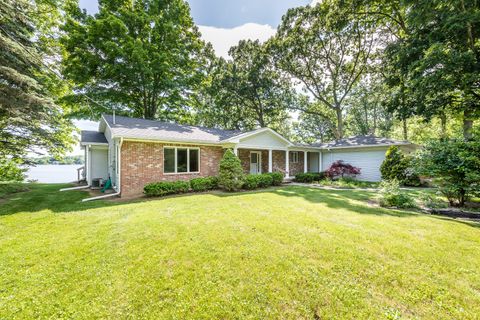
x=107, y=185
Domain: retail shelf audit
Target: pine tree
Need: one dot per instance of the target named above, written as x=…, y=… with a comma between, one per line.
x=231, y=174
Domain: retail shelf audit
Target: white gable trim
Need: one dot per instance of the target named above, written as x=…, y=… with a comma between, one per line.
x=236, y=139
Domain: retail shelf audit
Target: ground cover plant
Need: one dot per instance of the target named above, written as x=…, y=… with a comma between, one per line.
x=281, y=253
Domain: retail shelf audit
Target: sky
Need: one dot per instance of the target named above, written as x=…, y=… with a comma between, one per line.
x=223, y=23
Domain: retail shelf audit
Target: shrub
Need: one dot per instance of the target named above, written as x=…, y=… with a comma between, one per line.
x=250, y=182
x=432, y=201
x=455, y=167
x=231, y=174
x=264, y=180
x=10, y=170
x=253, y=181
x=341, y=169
x=277, y=178
x=399, y=167
x=309, y=177
x=164, y=188
x=392, y=196
x=204, y=184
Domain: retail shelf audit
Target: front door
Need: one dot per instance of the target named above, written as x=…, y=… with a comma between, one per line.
x=255, y=162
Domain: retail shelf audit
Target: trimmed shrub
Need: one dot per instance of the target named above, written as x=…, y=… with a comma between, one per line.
x=277, y=178
x=164, y=188
x=341, y=169
x=204, y=184
x=309, y=177
x=392, y=196
x=231, y=174
x=250, y=182
x=264, y=180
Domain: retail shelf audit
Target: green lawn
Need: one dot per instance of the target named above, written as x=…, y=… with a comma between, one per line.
x=289, y=253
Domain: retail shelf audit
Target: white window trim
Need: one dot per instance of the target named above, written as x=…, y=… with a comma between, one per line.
x=259, y=159
x=175, y=160
x=294, y=157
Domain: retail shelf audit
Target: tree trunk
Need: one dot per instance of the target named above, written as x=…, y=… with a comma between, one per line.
x=443, y=125
x=339, y=131
x=467, y=124
x=405, y=129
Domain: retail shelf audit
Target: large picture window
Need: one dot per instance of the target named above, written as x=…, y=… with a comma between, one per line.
x=181, y=160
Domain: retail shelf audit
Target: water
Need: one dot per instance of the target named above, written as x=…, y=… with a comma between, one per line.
x=49, y=173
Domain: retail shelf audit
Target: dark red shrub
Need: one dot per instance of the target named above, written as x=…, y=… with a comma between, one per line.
x=340, y=168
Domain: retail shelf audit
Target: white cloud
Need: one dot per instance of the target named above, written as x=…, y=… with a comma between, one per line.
x=222, y=39
x=315, y=2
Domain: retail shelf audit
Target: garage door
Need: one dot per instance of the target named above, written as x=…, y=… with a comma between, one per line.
x=368, y=161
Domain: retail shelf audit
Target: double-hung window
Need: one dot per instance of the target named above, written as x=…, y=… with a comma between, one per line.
x=294, y=157
x=181, y=160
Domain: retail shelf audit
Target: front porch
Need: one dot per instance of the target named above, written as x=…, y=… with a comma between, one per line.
x=289, y=162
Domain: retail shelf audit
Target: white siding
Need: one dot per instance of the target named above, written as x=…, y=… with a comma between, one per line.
x=99, y=163
x=312, y=161
x=262, y=140
x=368, y=160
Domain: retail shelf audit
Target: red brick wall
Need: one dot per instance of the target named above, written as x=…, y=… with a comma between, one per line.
x=142, y=163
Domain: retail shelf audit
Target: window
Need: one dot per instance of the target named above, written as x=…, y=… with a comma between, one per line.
x=294, y=157
x=181, y=160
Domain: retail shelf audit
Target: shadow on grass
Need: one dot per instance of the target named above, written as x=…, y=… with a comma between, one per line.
x=48, y=197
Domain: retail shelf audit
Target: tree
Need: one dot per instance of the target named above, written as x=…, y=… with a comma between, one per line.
x=247, y=91
x=231, y=176
x=30, y=118
x=326, y=48
x=141, y=57
x=455, y=167
x=399, y=167
x=342, y=169
x=311, y=128
x=11, y=170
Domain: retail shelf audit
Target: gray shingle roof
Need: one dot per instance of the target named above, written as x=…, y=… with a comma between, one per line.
x=157, y=130
x=92, y=137
x=358, y=141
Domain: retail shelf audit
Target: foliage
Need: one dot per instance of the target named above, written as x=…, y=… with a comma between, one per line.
x=432, y=201
x=455, y=167
x=204, y=184
x=277, y=178
x=60, y=160
x=30, y=118
x=308, y=177
x=326, y=48
x=399, y=167
x=231, y=174
x=254, y=181
x=140, y=57
x=341, y=169
x=7, y=188
x=392, y=196
x=164, y=188
x=11, y=170
x=249, y=93
x=348, y=183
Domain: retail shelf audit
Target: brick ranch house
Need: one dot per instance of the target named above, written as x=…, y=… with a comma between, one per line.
x=133, y=152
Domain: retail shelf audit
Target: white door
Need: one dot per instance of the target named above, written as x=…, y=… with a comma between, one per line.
x=255, y=162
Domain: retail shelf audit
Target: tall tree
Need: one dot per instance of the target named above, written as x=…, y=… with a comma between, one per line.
x=248, y=92
x=140, y=57
x=30, y=118
x=326, y=48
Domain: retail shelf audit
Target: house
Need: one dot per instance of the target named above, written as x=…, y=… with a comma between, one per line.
x=134, y=152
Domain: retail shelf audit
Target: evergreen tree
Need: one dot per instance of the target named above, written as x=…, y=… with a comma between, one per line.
x=231, y=176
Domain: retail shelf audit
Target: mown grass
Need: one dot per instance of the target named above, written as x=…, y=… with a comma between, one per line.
x=7, y=188
x=284, y=253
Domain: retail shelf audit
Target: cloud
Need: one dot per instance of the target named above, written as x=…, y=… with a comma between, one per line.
x=315, y=2
x=222, y=39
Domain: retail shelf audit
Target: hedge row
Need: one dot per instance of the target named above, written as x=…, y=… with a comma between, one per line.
x=309, y=177
x=251, y=182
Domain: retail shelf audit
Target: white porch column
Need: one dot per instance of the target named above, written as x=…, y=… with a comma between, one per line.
x=235, y=151
x=287, y=164
x=320, y=169
x=305, y=156
x=270, y=160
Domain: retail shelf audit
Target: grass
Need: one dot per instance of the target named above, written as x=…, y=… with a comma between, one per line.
x=284, y=253
x=7, y=188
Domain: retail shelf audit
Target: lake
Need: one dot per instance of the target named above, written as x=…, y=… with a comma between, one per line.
x=54, y=173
